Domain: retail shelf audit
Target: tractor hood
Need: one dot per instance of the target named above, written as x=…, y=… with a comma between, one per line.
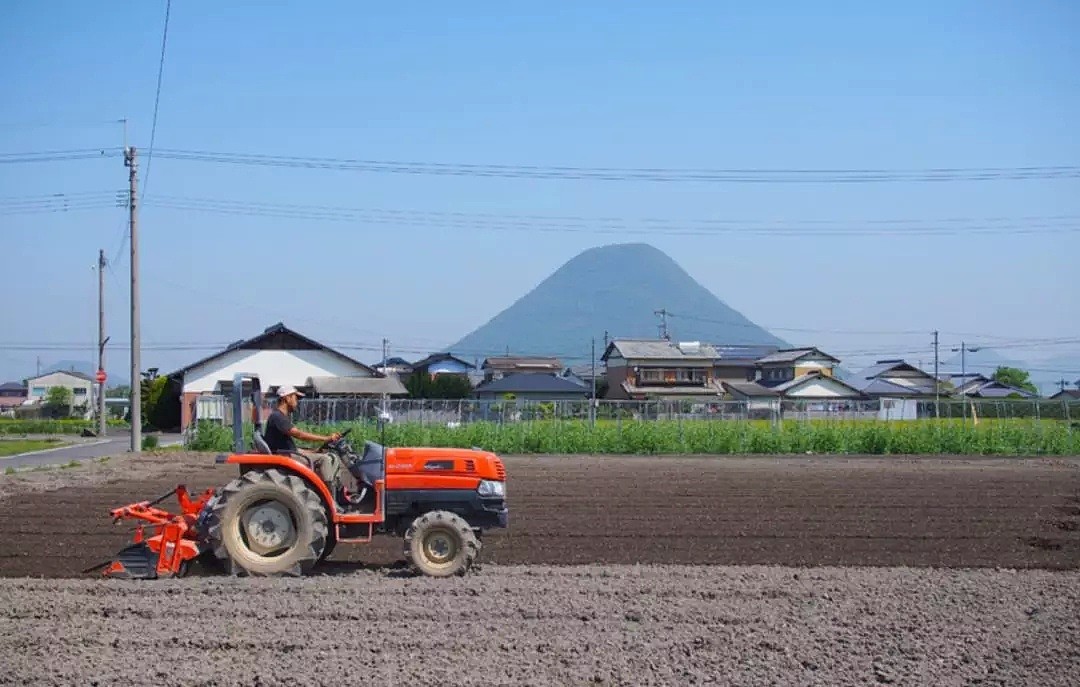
x=445, y=461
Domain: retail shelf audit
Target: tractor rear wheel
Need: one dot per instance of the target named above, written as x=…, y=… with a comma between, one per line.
x=441, y=544
x=268, y=523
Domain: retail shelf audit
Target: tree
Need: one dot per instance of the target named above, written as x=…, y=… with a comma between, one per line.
x=445, y=386
x=122, y=391
x=1013, y=376
x=58, y=401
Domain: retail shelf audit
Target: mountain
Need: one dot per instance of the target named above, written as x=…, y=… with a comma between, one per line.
x=87, y=369
x=615, y=289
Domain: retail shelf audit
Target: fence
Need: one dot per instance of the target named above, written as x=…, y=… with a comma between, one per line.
x=456, y=412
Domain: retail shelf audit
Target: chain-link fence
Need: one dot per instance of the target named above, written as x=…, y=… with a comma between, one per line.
x=319, y=411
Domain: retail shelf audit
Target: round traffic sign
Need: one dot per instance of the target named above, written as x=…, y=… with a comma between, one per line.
x=100, y=376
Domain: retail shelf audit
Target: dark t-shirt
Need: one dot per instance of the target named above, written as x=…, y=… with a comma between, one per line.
x=277, y=432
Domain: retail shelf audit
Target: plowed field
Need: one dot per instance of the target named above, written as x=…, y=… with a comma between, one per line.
x=794, y=570
x=798, y=511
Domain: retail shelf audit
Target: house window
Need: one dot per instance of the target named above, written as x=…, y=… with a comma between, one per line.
x=690, y=376
x=79, y=391
x=651, y=375
x=37, y=391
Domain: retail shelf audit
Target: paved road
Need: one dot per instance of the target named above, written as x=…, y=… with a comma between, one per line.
x=117, y=442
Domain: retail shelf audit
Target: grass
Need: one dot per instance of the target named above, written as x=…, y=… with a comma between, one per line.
x=9, y=426
x=10, y=447
x=996, y=437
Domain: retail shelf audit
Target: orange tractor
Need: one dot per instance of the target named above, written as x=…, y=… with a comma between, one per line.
x=280, y=517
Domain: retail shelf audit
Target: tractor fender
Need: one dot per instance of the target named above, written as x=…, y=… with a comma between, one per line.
x=286, y=464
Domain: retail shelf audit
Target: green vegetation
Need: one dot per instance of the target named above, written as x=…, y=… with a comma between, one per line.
x=1014, y=377
x=68, y=426
x=58, y=402
x=996, y=437
x=420, y=385
x=11, y=447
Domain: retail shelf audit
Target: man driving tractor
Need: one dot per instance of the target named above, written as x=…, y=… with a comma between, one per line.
x=280, y=433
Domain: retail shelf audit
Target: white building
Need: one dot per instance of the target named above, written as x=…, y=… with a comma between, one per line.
x=279, y=356
x=81, y=386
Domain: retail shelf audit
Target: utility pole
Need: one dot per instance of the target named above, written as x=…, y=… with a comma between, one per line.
x=592, y=400
x=963, y=373
x=101, y=341
x=384, y=343
x=131, y=162
x=937, y=380
x=1062, y=384
x=663, y=313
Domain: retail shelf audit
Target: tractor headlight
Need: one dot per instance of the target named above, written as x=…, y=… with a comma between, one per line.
x=491, y=488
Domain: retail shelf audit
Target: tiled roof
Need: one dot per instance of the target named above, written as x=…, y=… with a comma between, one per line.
x=791, y=355
x=750, y=389
x=709, y=390
x=519, y=362
x=358, y=386
x=438, y=358
x=640, y=349
x=523, y=383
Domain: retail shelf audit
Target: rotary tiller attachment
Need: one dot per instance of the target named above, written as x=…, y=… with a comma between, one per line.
x=173, y=541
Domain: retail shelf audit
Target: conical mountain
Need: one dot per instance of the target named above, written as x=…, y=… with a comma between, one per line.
x=617, y=289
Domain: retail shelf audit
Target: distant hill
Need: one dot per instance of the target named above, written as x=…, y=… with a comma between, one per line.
x=614, y=288
x=87, y=369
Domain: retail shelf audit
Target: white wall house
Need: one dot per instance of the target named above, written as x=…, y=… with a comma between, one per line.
x=279, y=356
x=81, y=386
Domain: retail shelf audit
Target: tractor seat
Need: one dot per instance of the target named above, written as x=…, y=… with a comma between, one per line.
x=260, y=443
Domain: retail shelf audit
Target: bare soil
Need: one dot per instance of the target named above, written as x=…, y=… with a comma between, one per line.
x=791, y=511
x=795, y=570
x=537, y=625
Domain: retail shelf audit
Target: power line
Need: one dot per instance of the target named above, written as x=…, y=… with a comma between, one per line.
x=597, y=225
x=57, y=155
x=157, y=99
x=655, y=174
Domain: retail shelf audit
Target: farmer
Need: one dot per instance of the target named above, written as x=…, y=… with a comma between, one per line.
x=280, y=433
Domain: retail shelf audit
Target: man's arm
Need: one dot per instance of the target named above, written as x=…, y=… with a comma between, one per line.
x=307, y=436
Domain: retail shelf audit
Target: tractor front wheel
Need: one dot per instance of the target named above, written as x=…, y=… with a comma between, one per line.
x=268, y=523
x=441, y=544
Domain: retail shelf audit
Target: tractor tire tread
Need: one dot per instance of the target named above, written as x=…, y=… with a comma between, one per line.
x=469, y=543
x=301, y=491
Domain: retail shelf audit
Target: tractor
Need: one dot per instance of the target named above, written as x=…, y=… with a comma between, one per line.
x=280, y=517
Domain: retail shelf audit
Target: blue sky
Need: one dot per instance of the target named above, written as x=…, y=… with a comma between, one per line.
x=672, y=85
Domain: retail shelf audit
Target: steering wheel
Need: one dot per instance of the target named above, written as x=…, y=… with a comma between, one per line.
x=328, y=444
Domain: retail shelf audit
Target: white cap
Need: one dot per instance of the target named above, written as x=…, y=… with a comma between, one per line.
x=284, y=391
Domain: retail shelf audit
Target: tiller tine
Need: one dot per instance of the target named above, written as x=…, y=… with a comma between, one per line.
x=172, y=543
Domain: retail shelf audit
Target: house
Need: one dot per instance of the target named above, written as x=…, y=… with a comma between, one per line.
x=584, y=374
x=639, y=369
x=278, y=355
x=787, y=364
x=993, y=389
x=896, y=379
x=814, y=385
x=738, y=363
x=976, y=385
x=396, y=366
x=80, y=385
x=443, y=363
x=12, y=395
x=1066, y=395
x=501, y=366
x=529, y=386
